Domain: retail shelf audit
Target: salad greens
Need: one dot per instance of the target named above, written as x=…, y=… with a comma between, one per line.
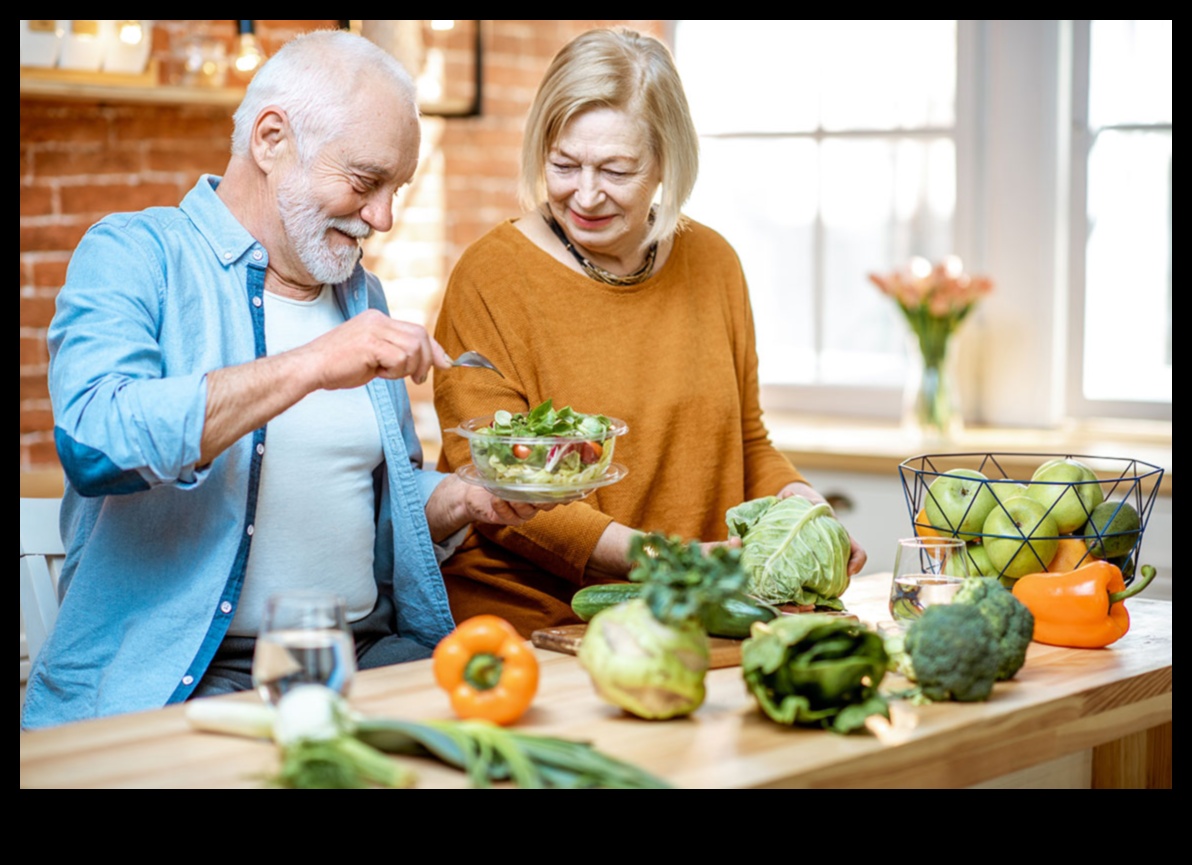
x=545, y=420
x=511, y=449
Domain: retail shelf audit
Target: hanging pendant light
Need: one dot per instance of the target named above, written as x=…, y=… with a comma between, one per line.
x=249, y=53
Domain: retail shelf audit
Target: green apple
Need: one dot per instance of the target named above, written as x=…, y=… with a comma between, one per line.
x=976, y=563
x=1007, y=489
x=1020, y=537
x=1112, y=530
x=979, y=564
x=1068, y=489
x=957, y=503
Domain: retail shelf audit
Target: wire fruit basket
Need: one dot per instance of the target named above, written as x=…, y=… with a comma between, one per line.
x=1079, y=508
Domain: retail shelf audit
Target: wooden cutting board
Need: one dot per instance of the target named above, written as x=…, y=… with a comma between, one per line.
x=722, y=651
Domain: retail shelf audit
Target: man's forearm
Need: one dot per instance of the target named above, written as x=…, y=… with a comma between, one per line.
x=242, y=398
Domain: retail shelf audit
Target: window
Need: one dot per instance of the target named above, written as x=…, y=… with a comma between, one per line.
x=1037, y=150
x=828, y=150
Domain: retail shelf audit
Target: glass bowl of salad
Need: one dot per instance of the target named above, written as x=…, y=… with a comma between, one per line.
x=543, y=455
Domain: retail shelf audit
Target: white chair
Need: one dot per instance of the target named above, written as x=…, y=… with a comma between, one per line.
x=42, y=555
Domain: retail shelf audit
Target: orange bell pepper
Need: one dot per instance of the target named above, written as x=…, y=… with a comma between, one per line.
x=1082, y=609
x=487, y=670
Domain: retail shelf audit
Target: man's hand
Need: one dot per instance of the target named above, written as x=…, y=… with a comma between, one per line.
x=370, y=345
x=857, y=556
x=455, y=504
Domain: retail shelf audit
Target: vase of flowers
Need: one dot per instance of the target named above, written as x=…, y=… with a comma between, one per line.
x=934, y=300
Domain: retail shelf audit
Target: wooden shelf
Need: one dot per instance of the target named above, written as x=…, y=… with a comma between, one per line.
x=64, y=85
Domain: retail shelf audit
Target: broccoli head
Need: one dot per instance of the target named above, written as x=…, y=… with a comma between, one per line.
x=953, y=653
x=1012, y=623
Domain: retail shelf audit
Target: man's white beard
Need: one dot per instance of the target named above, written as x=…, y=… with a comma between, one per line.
x=306, y=227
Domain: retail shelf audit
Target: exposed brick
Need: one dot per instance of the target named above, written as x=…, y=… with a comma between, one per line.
x=48, y=274
x=191, y=157
x=42, y=122
x=36, y=200
x=36, y=420
x=34, y=386
x=167, y=124
x=33, y=351
x=62, y=235
x=40, y=454
x=113, y=198
x=89, y=160
x=504, y=75
x=36, y=311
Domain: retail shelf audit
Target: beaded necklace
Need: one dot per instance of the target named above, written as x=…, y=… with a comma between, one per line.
x=597, y=272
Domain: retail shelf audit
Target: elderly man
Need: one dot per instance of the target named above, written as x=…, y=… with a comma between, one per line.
x=230, y=410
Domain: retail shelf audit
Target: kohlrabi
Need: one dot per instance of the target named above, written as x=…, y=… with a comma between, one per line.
x=650, y=655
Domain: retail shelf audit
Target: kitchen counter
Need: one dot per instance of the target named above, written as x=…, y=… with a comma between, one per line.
x=1112, y=705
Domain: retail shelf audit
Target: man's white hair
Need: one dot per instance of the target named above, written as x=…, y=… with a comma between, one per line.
x=313, y=78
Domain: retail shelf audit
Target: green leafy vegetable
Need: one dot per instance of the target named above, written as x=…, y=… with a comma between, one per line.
x=794, y=551
x=679, y=580
x=545, y=420
x=816, y=670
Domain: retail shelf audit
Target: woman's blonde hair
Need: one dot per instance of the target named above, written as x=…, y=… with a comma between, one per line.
x=633, y=73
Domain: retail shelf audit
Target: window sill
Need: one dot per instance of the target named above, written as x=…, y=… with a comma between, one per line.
x=831, y=443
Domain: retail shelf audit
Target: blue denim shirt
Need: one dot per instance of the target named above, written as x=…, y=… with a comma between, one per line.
x=157, y=546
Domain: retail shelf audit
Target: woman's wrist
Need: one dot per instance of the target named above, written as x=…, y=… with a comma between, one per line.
x=610, y=557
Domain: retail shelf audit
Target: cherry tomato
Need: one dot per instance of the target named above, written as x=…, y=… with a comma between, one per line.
x=521, y=451
x=590, y=452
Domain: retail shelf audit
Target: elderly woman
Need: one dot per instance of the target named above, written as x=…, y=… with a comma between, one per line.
x=600, y=299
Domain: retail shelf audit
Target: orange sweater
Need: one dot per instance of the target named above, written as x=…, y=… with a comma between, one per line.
x=674, y=357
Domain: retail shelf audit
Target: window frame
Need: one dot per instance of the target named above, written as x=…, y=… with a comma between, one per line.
x=1083, y=138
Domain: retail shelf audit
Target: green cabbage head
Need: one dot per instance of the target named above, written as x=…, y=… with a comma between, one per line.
x=794, y=551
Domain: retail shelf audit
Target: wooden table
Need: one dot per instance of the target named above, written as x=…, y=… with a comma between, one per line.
x=1113, y=702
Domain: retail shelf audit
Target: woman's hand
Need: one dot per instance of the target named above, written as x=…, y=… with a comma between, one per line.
x=731, y=543
x=857, y=556
x=455, y=504
x=610, y=559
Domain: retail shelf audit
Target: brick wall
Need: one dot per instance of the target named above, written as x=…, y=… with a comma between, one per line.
x=80, y=161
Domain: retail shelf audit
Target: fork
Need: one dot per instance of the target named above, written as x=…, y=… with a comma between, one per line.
x=475, y=359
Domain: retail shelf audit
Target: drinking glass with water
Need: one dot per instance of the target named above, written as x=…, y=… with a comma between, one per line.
x=304, y=639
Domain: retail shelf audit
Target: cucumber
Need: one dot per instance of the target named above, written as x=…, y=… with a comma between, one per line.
x=590, y=600
x=731, y=618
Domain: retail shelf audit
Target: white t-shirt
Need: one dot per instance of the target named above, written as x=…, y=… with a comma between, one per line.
x=315, y=522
